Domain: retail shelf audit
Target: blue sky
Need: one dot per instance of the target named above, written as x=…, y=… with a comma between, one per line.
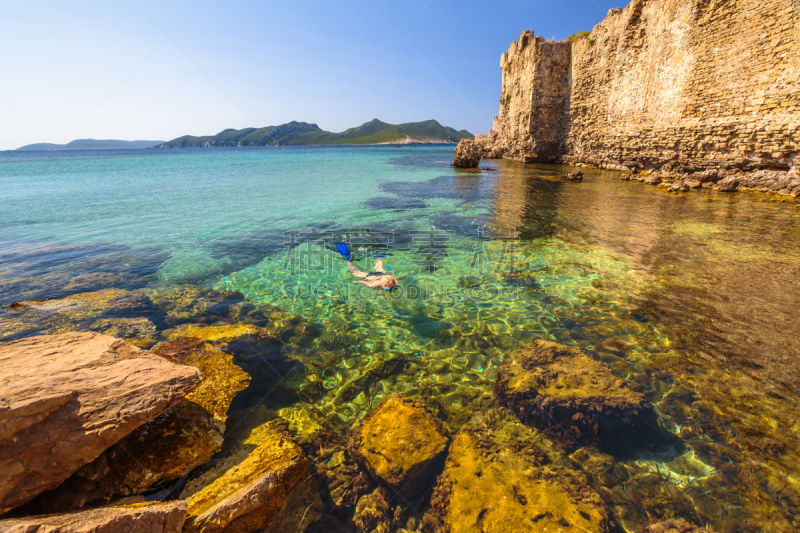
x=107, y=69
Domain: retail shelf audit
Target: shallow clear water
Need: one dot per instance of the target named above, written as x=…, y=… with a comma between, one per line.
x=691, y=298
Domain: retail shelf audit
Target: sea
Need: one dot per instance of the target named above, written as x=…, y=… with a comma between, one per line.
x=691, y=298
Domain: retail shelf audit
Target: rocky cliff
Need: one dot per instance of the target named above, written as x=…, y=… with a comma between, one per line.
x=668, y=87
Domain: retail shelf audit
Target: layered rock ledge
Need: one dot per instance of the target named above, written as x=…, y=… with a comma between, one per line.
x=165, y=448
x=143, y=518
x=66, y=398
x=261, y=482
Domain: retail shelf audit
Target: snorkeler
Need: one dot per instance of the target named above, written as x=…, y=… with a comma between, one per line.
x=377, y=279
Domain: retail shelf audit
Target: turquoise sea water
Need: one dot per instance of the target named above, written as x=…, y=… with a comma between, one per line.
x=690, y=298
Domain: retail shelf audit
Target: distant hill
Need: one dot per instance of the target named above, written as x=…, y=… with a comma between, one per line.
x=302, y=133
x=92, y=144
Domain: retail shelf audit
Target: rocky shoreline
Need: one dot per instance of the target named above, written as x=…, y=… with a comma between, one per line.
x=101, y=434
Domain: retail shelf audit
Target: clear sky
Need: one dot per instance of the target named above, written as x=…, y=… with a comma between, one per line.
x=155, y=70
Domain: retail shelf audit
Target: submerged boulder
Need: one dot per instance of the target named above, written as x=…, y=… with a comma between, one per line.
x=399, y=442
x=245, y=340
x=66, y=398
x=574, y=397
x=140, y=518
x=499, y=472
x=259, y=483
x=167, y=447
x=137, y=331
x=77, y=312
x=195, y=304
x=468, y=154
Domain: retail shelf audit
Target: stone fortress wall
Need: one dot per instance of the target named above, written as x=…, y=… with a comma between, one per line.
x=707, y=91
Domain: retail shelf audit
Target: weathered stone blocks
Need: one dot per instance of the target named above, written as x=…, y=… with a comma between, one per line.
x=722, y=99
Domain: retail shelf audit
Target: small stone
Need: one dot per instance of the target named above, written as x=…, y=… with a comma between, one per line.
x=573, y=176
x=372, y=510
x=468, y=154
x=397, y=441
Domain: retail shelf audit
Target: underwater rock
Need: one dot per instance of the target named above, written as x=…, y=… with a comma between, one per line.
x=196, y=304
x=245, y=340
x=674, y=526
x=167, y=447
x=468, y=154
x=573, y=176
x=398, y=442
x=66, y=398
x=139, y=518
x=574, y=398
x=139, y=332
x=260, y=483
x=372, y=510
x=499, y=472
x=86, y=305
x=340, y=480
x=73, y=313
x=255, y=350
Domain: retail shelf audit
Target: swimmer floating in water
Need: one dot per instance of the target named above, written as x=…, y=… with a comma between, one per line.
x=377, y=279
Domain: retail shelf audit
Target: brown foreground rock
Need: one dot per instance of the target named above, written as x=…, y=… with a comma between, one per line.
x=399, y=442
x=502, y=476
x=66, y=398
x=142, y=518
x=468, y=154
x=674, y=526
x=260, y=483
x=165, y=448
x=573, y=397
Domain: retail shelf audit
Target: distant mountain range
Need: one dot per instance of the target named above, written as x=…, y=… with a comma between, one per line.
x=92, y=144
x=302, y=133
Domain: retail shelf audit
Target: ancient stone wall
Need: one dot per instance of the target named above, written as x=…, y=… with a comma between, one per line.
x=705, y=90
x=531, y=104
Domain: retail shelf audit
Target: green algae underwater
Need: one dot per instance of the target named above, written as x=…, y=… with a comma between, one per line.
x=691, y=298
